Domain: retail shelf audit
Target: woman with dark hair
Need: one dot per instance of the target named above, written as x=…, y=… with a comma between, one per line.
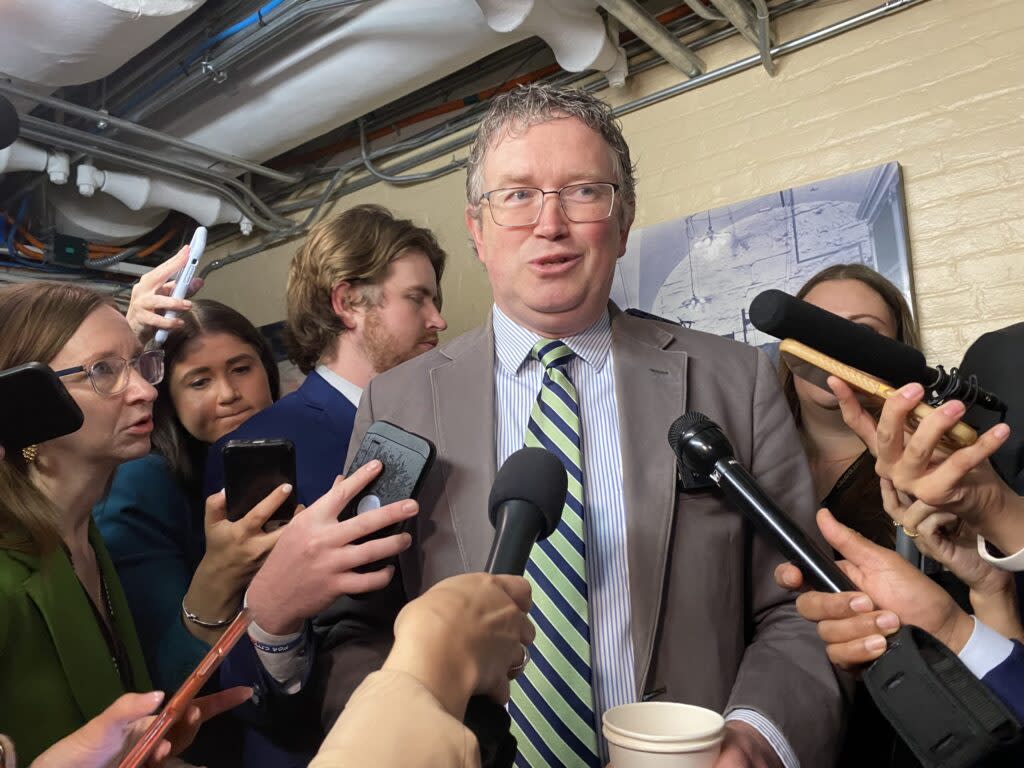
x=842, y=467
x=185, y=571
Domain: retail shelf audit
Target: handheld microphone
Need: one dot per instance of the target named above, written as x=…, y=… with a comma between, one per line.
x=10, y=125
x=785, y=317
x=703, y=449
x=525, y=507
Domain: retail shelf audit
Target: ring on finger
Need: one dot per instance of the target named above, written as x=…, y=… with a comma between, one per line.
x=911, y=534
x=515, y=670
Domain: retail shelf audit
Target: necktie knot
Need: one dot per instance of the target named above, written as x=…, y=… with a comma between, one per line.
x=552, y=353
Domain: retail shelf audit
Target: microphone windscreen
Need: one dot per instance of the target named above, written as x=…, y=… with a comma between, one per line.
x=785, y=317
x=9, y=123
x=535, y=476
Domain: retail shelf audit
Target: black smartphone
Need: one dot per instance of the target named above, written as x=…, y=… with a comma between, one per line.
x=254, y=468
x=35, y=407
x=406, y=458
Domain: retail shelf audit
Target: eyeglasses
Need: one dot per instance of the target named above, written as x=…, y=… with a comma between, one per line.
x=110, y=375
x=522, y=206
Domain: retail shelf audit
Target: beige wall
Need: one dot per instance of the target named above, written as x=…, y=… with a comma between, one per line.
x=938, y=88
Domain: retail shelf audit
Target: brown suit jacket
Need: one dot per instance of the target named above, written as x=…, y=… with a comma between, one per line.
x=709, y=625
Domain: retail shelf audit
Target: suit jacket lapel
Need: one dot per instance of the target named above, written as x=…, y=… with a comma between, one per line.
x=84, y=656
x=650, y=389
x=463, y=392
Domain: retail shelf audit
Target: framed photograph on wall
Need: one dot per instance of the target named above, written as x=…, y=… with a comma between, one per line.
x=704, y=269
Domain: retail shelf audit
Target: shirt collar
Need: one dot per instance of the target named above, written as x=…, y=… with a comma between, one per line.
x=512, y=342
x=350, y=391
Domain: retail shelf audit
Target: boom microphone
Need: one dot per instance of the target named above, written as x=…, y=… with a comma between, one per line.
x=10, y=126
x=785, y=317
x=525, y=507
x=703, y=449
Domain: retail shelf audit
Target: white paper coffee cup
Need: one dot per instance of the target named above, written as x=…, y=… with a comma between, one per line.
x=662, y=734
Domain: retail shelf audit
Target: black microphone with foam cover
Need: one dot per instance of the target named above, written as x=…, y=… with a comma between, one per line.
x=702, y=447
x=10, y=125
x=786, y=317
x=525, y=507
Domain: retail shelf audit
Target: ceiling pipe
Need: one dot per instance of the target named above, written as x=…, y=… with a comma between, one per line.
x=739, y=15
x=646, y=27
x=102, y=118
x=25, y=156
x=764, y=36
x=142, y=159
x=703, y=11
x=138, y=192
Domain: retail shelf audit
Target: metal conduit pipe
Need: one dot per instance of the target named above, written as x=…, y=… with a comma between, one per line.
x=703, y=11
x=89, y=143
x=826, y=33
x=739, y=15
x=764, y=36
x=412, y=178
x=127, y=162
x=278, y=25
x=647, y=28
x=148, y=133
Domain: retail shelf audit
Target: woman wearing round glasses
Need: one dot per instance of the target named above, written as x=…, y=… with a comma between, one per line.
x=67, y=640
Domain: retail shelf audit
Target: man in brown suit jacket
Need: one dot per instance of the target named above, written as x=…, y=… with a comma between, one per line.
x=705, y=623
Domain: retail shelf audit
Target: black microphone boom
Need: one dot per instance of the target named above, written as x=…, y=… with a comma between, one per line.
x=786, y=317
x=702, y=447
x=525, y=507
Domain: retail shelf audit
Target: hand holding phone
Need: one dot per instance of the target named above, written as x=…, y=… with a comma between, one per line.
x=181, y=284
x=180, y=701
x=252, y=470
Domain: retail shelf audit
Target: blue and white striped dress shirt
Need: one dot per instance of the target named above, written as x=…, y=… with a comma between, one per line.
x=517, y=380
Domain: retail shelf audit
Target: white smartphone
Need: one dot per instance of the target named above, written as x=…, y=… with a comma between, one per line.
x=195, y=253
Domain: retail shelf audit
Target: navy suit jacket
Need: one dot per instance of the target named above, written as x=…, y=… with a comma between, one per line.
x=1007, y=681
x=318, y=419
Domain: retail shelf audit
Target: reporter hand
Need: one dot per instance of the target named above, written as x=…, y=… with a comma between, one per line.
x=463, y=635
x=962, y=483
x=234, y=552
x=854, y=624
x=152, y=295
x=312, y=564
x=743, y=746
x=108, y=737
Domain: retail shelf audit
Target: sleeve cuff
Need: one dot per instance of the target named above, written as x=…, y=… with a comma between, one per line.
x=282, y=656
x=1013, y=563
x=772, y=734
x=985, y=650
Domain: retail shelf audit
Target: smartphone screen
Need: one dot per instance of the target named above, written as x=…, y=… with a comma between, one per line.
x=252, y=470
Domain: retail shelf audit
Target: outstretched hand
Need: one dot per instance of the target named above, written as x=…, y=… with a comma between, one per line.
x=854, y=625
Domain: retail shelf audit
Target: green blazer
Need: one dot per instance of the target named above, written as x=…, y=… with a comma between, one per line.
x=56, y=672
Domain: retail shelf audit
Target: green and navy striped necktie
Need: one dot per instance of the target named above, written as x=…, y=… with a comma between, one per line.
x=552, y=705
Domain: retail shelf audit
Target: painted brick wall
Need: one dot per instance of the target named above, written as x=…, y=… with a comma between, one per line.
x=938, y=87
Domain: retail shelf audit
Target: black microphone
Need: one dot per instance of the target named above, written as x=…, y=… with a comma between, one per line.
x=703, y=449
x=10, y=125
x=525, y=507
x=786, y=317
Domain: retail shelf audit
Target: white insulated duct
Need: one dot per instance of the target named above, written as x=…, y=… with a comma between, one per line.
x=68, y=42
x=138, y=192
